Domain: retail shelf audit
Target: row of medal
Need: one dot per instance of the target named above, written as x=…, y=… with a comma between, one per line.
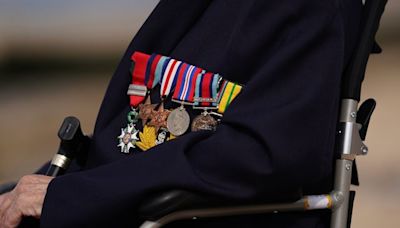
x=186, y=85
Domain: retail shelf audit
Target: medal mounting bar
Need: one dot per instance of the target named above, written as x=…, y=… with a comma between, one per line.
x=137, y=90
x=182, y=102
x=216, y=114
x=206, y=108
x=205, y=99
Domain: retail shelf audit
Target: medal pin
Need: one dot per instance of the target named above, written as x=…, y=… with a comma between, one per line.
x=205, y=98
x=179, y=120
x=136, y=92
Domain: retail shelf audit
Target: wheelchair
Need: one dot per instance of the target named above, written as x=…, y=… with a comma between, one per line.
x=352, y=127
x=351, y=133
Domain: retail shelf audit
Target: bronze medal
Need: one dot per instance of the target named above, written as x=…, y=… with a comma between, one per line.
x=146, y=111
x=204, y=122
x=159, y=117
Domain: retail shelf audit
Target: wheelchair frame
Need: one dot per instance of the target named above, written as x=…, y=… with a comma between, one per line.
x=350, y=135
x=349, y=143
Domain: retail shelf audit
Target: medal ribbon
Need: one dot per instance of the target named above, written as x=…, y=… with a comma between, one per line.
x=150, y=80
x=206, y=90
x=228, y=93
x=160, y=68
x=221, y=90
x=169, y=77
x=180, y=82
x=137, y=89
x=215, y=81
x=186, y=83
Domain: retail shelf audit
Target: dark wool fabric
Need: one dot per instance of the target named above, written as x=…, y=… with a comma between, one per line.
x=276, y=136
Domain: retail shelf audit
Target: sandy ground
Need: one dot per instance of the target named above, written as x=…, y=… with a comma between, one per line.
x=31, y=115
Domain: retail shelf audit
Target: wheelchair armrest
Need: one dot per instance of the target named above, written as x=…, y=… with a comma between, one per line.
x=159, y=205
x=7, y=187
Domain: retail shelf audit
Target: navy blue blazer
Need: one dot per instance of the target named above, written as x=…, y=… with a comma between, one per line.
x=277, y=135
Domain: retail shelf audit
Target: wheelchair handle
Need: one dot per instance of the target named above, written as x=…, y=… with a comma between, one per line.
x=72, y=142
x=355, y=71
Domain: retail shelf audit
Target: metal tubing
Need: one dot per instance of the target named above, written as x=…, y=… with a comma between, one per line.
x=349, y=142
x=226, y=211
x=340, y=194
x=348, y=111
x=349, y=145
x=150, y=224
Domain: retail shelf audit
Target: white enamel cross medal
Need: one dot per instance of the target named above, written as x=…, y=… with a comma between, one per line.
x=129, y=134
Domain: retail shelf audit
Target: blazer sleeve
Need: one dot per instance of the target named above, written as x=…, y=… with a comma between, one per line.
x=278, y=134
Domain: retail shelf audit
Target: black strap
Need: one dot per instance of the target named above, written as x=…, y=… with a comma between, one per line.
x=354, y=175
x=350, y=211
x=376, y=49
x=7, y=187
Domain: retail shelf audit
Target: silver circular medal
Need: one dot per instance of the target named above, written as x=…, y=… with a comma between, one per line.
x=204, y=122
x=178, y=121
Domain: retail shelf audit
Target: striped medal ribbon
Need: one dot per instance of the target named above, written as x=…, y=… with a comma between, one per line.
x=150, y=80
x=169, y=77
x=137, y=91
x=168, y=82
x=205, y=98
x=206, y=91
x=178, y=121
x=153, y=132
x=227, y=94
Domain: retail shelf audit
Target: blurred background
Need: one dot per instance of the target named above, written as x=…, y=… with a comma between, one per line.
x=56, y=58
